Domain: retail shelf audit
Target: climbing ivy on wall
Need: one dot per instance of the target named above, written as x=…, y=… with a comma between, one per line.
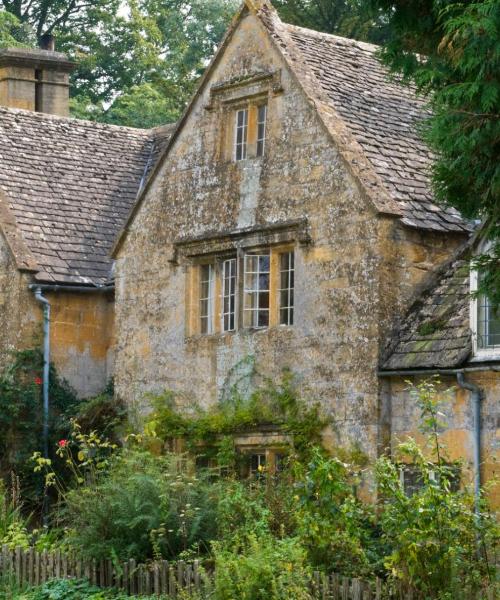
x=211, y=430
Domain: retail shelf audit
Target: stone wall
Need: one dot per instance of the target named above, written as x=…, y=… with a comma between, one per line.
x=82, y=337
x=82, y=329
x=404, y=417
x=340, y=291
x=20, y=316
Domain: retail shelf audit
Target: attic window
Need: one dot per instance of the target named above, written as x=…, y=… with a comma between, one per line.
x=250, y=130
x=241, y=131
x=261, y=129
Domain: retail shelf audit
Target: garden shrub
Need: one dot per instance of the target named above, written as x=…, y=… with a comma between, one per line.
x=21, y=418
x=13, y=525
x=66, y=589
x=103, y=413
x=262, y=568
x=337, y=530
x=438, y=546
x=143, y=507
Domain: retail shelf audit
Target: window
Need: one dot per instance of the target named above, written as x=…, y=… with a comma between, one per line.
x=286, y=291
x=413, y=482
x=485, y=324
x=241, y=134
x=261, y=129
x=257, y=465
x=253, y=290
x=229, y=295
x=257, y=289
x=249, y=132
x=488, y=325
x=207, y=297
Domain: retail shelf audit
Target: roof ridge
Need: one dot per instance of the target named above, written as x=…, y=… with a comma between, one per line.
x=323, y=34
x=41, y=116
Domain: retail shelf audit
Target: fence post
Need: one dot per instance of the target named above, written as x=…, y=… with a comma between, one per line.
x=197, y=580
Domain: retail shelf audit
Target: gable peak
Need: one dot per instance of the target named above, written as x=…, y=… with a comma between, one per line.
x=258, y=5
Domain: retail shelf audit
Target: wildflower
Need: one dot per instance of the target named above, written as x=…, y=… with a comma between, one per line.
x=62, y=443
x=38, y=381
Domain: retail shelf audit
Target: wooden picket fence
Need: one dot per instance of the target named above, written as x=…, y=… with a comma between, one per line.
x=161, y=578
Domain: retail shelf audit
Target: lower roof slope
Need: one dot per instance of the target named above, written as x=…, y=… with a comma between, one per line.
x=70, y=185
x=436, y=332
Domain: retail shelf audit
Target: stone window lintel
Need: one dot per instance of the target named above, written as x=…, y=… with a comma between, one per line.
x=222, y=243
x=245, y=87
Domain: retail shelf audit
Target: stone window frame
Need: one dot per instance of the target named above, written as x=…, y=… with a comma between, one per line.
x=217, y=326
x=277, y=239
x=251, y=106
x=480, y=353
x=250, y=91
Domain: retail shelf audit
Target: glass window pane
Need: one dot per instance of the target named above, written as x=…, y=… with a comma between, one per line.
x=241, y=137
x=286, y=291
x=488, y=324
x=261, y=129
x=256, y=293
x=228, y=294
x=207, y=289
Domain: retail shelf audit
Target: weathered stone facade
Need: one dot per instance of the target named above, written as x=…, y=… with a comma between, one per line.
x=343, y=181
x=358, y=270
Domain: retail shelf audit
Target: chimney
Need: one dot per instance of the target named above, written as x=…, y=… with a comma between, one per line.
x=35, y=80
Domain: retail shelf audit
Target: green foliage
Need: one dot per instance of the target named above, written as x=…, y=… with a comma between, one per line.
x=348, y=18
x=460, y=76
x=336, y=528
x=13, y=33
x=68, y=589
x=207, y=430
x=262, y=568
x=21, y=417
x=13, y=526
x=143, y=507
x=438, y=545
x=103, y=413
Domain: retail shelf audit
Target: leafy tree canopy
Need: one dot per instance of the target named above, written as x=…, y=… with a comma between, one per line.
x=451, y=51
x=348, y=18
x=130, y=54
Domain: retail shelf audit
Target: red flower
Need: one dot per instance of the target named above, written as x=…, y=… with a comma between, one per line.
x=62, y=443
x=38, y=381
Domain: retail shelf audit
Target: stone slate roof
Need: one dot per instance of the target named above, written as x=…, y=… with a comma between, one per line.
x=69, y=185
x=436, y=331
x=381, y=115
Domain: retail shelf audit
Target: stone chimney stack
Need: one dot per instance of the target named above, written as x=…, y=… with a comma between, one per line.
x=35, y=80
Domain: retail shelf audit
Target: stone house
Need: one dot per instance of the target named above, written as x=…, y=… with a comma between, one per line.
x=290, y=219
x=287, y=218
x=66, y=187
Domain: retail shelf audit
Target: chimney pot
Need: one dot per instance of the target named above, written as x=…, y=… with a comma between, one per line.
x=47, y=42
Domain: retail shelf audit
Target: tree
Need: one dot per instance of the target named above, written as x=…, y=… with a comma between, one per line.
x=348, y=18
x=451, y=52
x=131, y=52
x=14, y=33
